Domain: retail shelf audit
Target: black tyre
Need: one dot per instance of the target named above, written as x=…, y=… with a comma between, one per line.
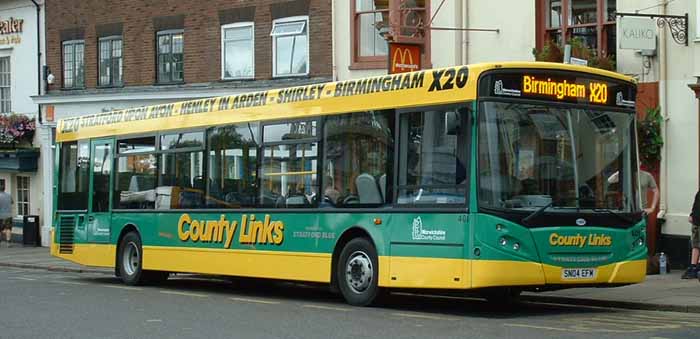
x=130, y=259
x=357, y=272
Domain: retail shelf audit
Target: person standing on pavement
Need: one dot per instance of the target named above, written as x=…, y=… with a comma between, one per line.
x=5, y=212
x=694, y=220
x=646, y=184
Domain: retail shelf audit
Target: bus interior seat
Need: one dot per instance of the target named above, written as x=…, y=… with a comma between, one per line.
x=297, y=201
x=198, y=183
x=382, y=186
x=141, y=183
x=367, y=189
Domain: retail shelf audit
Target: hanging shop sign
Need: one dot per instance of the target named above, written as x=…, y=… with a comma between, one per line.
x=637, y=33
x=404, y=58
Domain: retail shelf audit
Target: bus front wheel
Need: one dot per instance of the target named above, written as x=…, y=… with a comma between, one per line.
x=358, y=272
x=130, y=259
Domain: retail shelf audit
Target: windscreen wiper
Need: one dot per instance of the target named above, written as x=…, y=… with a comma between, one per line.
x=613, y=213
x=535, y=214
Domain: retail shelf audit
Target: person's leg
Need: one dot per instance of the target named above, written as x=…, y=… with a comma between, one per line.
x=692, y=271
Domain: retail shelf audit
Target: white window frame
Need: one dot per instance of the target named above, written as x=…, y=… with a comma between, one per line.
x=9, y=72
x=26, y=190
x=223, y=49
x=697, y=21
x=304, y=18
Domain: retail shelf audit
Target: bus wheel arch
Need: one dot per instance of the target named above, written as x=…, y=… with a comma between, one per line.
x=355, y=247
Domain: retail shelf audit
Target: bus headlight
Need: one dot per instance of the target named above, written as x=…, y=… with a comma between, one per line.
x=516, y=246
x=640, y=242
x=503, y=241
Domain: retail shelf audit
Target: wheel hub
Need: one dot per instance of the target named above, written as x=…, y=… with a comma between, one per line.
x=130, y=258
x=359, y=272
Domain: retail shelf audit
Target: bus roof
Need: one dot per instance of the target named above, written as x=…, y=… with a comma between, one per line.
x=420, y=88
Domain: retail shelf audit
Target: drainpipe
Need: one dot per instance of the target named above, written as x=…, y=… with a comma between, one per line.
x=663, y=104
x=465, y=34
x=38, y=57
x=334, y=71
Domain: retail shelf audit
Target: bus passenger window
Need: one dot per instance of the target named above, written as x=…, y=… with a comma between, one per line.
x=233, y=165
x=135, y=175
x=358, y=153
x=290, y=160
x=181, y=181
x=432, y=159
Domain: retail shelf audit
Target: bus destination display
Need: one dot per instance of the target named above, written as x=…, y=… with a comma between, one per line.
x=559, y=87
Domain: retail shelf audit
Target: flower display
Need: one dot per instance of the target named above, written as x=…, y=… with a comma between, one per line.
x=16, y=129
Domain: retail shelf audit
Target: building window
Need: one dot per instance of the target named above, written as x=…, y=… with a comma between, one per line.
x=111, y=61
x=290, y=46
x=5, y=88
x=237, y=51
x=592, y=22
x=22, y=195
x=170, y=56
x=73, y=64
x=697, y=22
x=369, y=19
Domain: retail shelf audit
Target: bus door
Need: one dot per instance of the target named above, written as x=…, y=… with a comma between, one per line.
x=99, y=207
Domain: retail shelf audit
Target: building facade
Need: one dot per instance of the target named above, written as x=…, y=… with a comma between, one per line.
x=672, y=73
x=455, y=32
x=21, y=57
x=103, y=56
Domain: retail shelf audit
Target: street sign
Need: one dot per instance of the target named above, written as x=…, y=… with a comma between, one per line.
x=577, y=61
x=637, y=33
x=404, y=58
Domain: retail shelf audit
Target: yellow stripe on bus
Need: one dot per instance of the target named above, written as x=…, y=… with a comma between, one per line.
x=400, y=272
x=248, y=263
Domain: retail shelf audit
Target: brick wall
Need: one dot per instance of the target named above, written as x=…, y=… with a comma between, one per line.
x=67, y=19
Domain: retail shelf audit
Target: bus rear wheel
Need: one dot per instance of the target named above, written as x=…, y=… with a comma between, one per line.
x=357, y=272
x=130, y=259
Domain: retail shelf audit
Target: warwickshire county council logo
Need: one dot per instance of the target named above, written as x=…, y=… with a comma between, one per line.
x=420, y=234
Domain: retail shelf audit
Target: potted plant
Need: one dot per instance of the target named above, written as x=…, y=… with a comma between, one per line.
x=16, y=130
x=650, y=140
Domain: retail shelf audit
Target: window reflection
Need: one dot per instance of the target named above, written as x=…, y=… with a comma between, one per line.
x=531, y=156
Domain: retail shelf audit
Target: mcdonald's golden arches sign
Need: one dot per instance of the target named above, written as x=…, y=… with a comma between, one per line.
x=404, y=58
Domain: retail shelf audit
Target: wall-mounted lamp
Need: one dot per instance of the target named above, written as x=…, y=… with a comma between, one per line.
x=48, y=76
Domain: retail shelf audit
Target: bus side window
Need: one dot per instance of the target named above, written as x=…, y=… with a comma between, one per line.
x=433, y=162
x=233, y=166
x=357, y=158
x=289, y=165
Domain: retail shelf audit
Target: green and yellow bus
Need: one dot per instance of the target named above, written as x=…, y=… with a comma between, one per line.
x=495, y=178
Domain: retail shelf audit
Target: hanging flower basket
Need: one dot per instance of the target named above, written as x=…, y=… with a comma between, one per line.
x=16, y=131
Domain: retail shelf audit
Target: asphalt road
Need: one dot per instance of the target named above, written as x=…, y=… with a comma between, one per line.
x=43, y=304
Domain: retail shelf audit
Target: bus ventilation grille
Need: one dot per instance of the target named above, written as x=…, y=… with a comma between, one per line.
x=65, y=240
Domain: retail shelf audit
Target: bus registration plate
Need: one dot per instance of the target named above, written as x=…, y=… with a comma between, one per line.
x=577, y=273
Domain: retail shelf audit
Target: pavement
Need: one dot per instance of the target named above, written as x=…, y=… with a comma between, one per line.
x=667, y=292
